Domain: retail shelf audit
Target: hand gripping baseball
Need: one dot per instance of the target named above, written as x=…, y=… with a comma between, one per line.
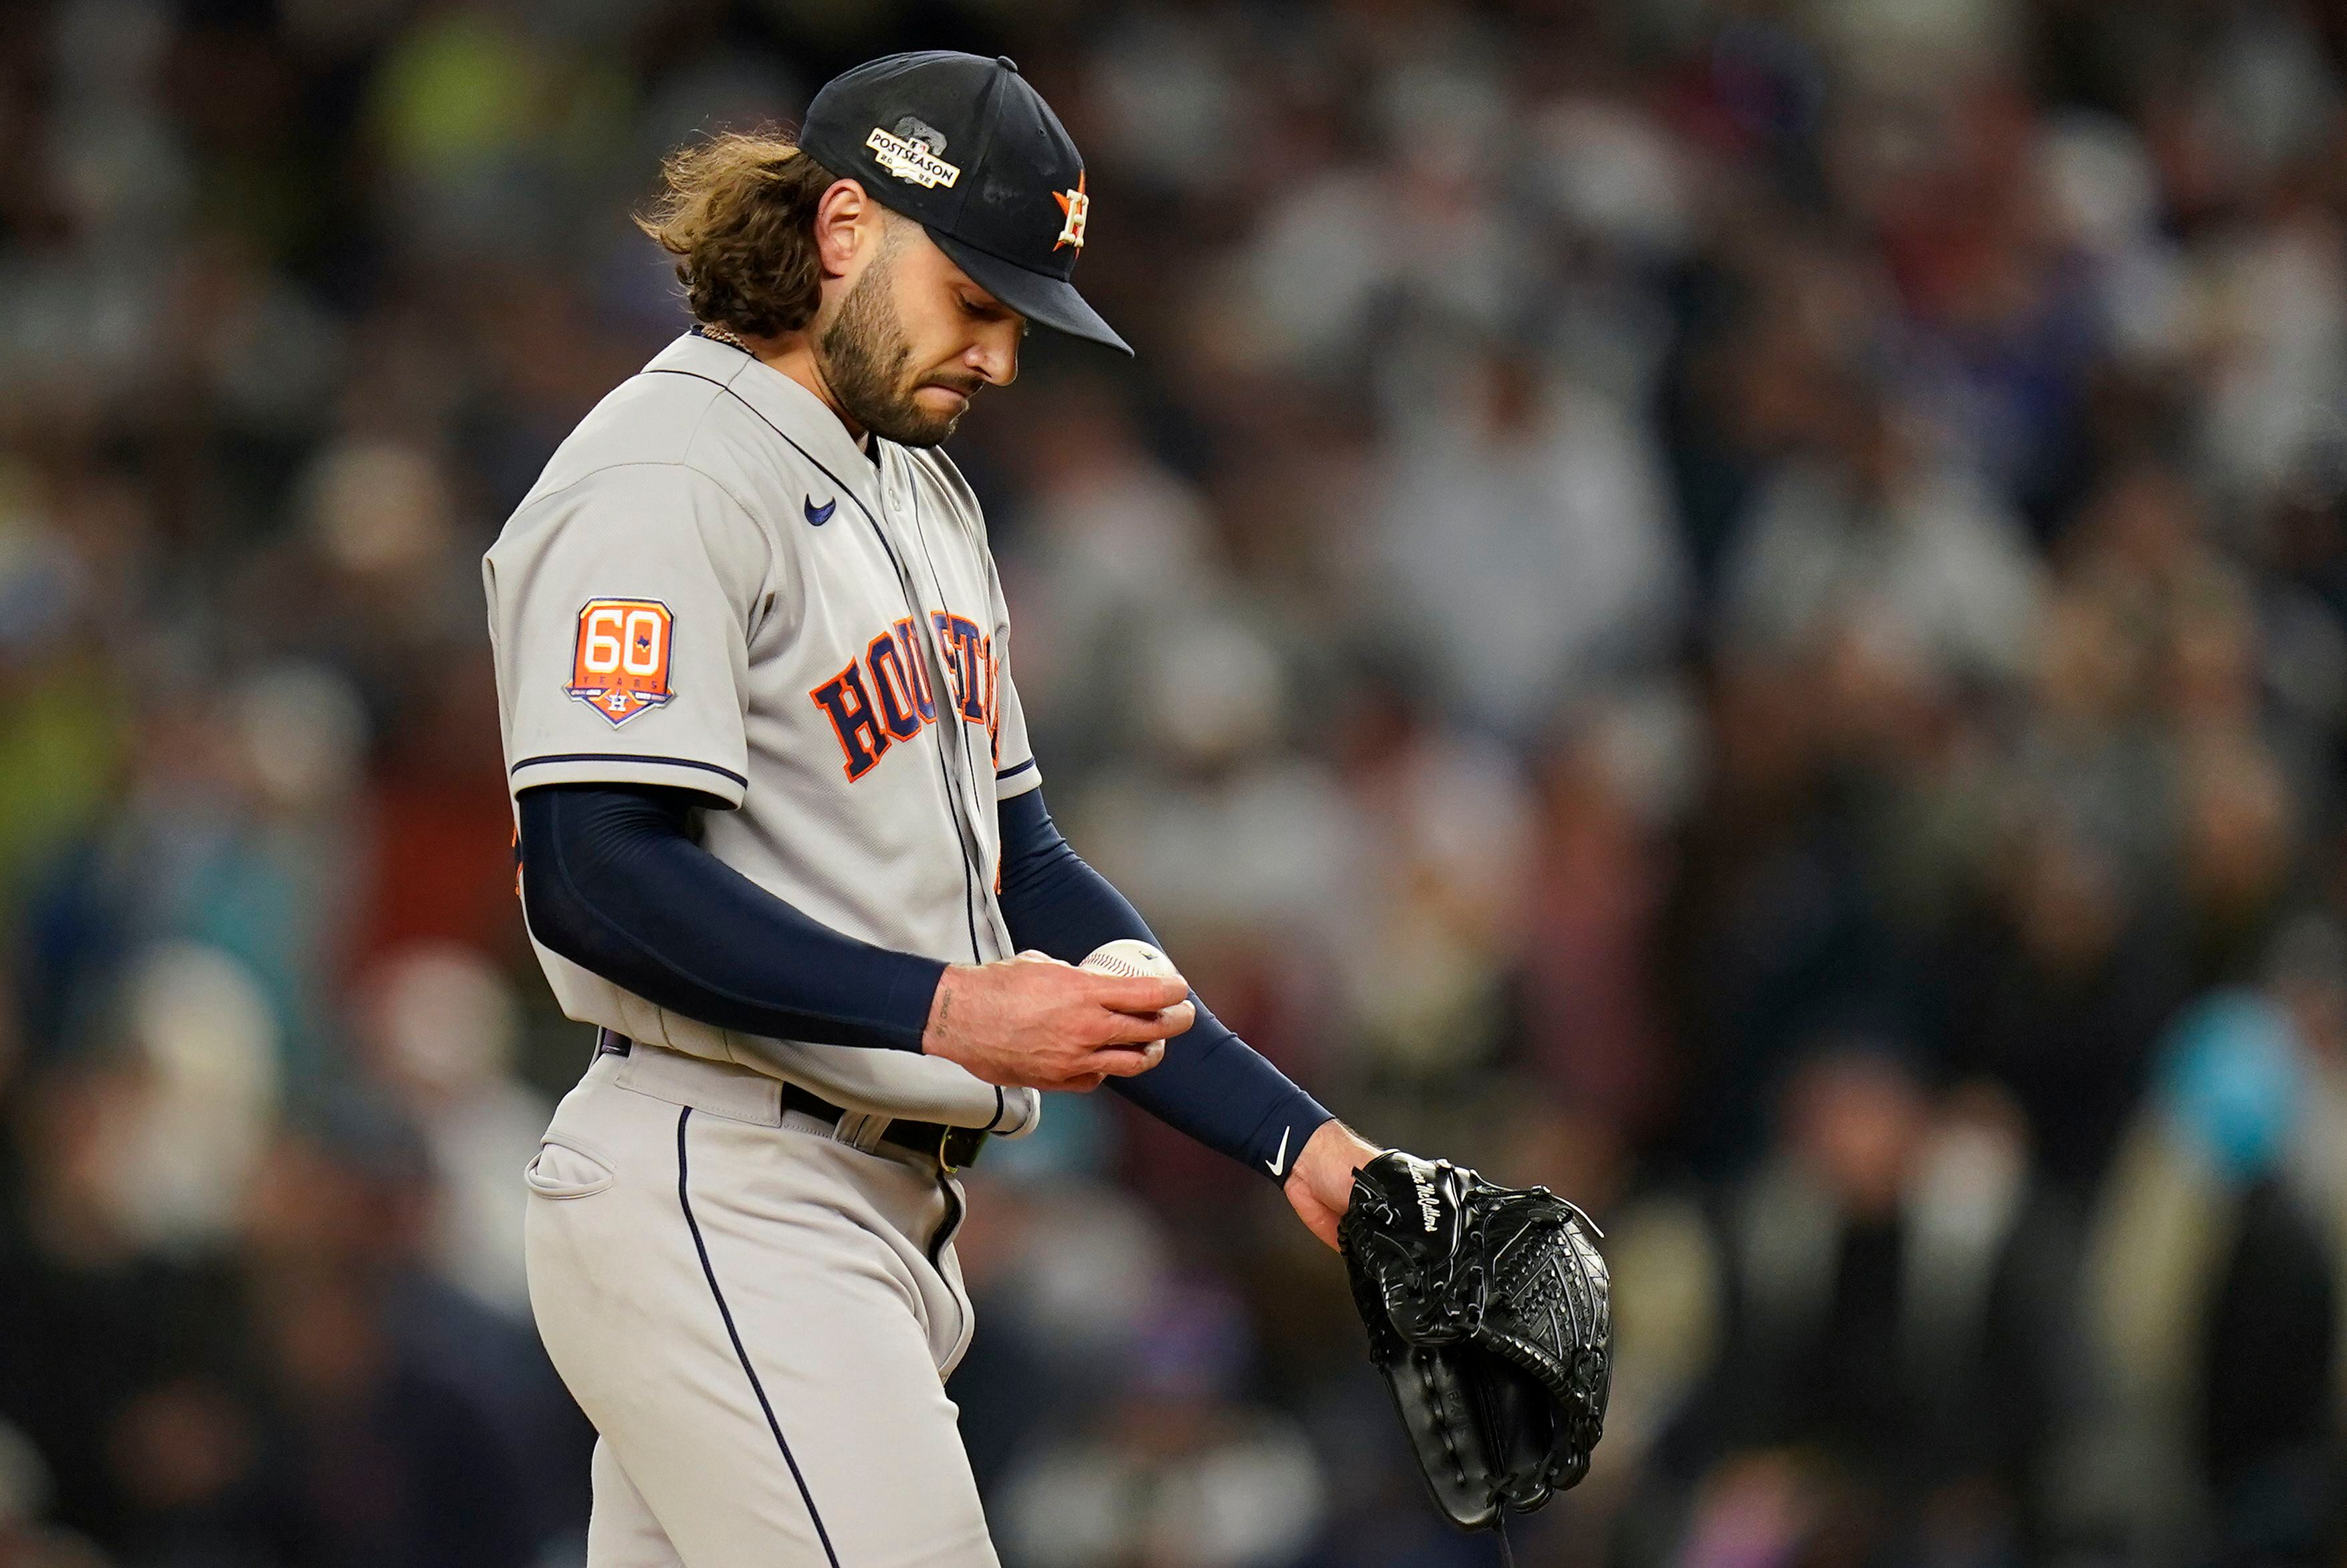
x=1033, y=1022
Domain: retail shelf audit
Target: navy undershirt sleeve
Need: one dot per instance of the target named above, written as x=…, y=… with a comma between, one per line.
x=1210, y=1085
x=613, y=880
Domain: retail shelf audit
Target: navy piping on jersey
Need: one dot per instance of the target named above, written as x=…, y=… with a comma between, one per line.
x=1012, y=773
x=962, y=831
x=626, y=757
x=969, y=762
x=709, y=1271
x=945, y=771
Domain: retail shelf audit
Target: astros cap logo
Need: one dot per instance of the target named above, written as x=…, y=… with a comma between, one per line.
x=620, y=667
x=1077, y=206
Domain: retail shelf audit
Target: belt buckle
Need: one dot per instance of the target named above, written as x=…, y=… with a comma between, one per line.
x=958, y=1147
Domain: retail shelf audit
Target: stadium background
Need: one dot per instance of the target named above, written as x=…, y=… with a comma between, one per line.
x=1734, y=607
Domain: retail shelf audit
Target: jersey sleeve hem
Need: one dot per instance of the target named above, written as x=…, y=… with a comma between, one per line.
x=1016, y=780
x=627, y=767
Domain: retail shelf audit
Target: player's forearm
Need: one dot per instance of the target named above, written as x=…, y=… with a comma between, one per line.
x=1210, y=1085
x=612, y=880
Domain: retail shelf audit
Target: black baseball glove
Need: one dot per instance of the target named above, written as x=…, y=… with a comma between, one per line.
x=1487, y=1314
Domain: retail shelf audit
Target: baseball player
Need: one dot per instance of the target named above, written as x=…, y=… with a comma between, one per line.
x=784, y=840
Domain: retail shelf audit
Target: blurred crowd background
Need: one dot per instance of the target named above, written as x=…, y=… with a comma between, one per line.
x=1738, y=606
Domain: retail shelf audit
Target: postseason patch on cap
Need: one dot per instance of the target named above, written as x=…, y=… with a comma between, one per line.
x=911, y=153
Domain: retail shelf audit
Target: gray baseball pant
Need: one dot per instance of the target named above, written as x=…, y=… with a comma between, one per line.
x=749, y=1311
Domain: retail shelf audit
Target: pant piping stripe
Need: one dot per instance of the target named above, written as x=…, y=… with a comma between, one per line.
x=685, y=1201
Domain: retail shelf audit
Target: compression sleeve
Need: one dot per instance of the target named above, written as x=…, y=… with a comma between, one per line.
x=612, y=880
x=1210, y=1085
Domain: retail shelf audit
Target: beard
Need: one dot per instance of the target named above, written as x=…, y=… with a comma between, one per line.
x=864, y=359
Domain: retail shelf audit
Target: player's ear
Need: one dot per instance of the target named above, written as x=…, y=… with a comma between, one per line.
x=846, y=222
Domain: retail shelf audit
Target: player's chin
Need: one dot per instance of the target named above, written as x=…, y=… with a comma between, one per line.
x=929, y=416
x=945, y=404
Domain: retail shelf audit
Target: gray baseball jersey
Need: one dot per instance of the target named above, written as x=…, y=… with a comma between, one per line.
x=712, y=586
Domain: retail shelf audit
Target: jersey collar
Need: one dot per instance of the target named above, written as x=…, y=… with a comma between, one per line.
x=798, y=414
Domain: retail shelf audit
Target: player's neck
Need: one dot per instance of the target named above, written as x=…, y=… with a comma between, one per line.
x=793, y=354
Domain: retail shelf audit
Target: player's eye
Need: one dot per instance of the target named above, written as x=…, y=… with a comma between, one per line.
x=986, y=311
x=979, y=310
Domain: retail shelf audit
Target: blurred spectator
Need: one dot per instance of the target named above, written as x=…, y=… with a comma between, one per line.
x=206, y=1058
x=1895, y=1326
x=1173, y=1469
x=391, y=1428
x=443, y=1025
x=1525, y=541
x=1868, y=533
x=2214, y=1299
x=2061, y=995
x=120, y=1361
x=1594, y=1024
x=24, y=1496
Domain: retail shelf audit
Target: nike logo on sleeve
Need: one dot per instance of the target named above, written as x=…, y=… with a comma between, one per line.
x=1278, y=1163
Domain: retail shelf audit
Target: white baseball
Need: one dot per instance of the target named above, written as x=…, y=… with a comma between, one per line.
x=1131, y=956
x=1127, y=955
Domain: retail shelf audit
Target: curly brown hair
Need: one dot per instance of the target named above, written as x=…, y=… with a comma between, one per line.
x=737, y=212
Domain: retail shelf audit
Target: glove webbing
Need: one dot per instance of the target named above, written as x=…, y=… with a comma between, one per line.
x=1455, y=1304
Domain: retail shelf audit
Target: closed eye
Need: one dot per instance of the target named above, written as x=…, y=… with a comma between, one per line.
x=979, y=310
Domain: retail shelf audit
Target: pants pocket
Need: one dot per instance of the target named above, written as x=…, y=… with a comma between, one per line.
x=562, y=1170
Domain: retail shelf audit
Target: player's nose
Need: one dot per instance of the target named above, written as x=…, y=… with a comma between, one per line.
x=995, y=353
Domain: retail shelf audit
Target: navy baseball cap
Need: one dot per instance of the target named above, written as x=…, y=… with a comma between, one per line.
x=964, y=147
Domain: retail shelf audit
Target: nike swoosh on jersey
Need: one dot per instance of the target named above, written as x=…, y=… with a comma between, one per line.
x=821, y=515
x=1278, y=1162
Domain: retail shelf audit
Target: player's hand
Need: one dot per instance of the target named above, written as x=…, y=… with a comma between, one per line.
x=1320, y=1185
x=1033, y=1022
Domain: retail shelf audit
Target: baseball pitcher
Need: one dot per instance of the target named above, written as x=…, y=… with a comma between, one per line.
x=784, y=840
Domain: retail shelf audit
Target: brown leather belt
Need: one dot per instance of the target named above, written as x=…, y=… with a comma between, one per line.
x=953, y=1148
